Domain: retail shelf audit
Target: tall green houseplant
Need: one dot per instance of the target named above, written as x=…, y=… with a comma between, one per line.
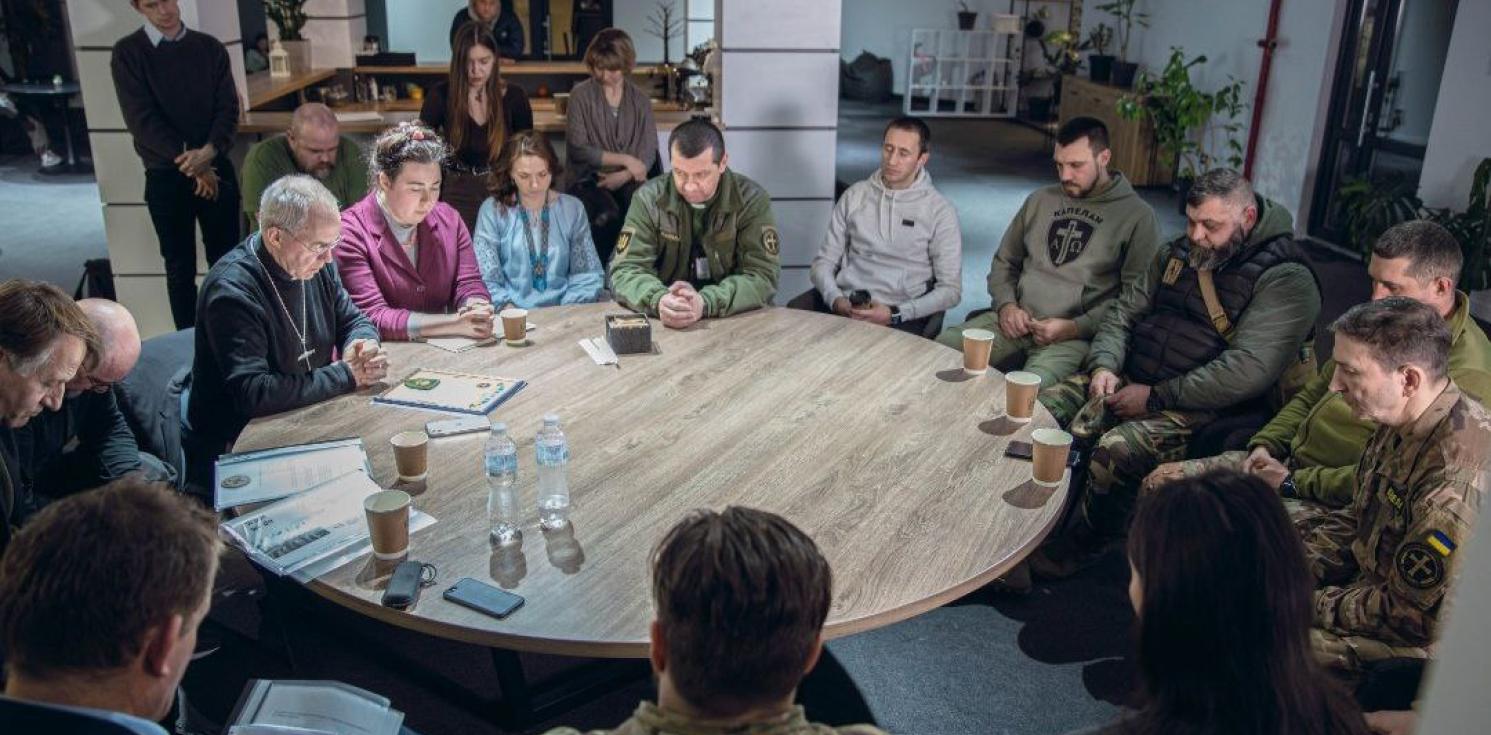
x=1194, y=130
x=288, y=16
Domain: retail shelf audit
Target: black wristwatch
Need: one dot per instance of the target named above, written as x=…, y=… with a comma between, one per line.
x=895, y=315
x=1287, y=488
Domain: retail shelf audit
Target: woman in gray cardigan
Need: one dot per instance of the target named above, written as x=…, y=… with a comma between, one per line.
x=611, y=137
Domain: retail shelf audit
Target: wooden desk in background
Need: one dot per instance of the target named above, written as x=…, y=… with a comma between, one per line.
x=544, y=120
x=894, y=465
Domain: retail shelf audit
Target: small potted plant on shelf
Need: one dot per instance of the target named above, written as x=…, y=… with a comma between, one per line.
x=1100, y=62
x=966, y=17
x=1195, y=131
x=1126, y=16
x=1062, y=52
x=289, y=17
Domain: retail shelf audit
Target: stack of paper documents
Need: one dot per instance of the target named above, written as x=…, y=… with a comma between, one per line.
x=270, y=707
x=311, y=533
x=268, y=474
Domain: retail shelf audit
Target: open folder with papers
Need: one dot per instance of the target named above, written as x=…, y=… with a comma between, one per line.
x=285, y=707
x=268, y=474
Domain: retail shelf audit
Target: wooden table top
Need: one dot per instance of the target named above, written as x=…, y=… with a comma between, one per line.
x=872, y=441
x=544, y=121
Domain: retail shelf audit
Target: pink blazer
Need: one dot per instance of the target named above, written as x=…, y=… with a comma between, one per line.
x=386, y=286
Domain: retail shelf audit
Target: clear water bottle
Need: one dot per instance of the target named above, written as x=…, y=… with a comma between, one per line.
x=504, y=512
x=552, y=452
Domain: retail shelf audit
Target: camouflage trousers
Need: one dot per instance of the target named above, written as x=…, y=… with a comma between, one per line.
x=1350, y=654
x=1303, y=513
x=1122, y=452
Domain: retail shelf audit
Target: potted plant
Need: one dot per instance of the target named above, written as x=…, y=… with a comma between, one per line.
x=1062, y=52
x=1194, y=130
x=1100, y=62
x=1126, y=17
x=966, y=17
x=1368, y=207
x=289, y=17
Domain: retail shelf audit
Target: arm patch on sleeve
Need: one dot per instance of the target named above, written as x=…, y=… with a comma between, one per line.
x=771, y=240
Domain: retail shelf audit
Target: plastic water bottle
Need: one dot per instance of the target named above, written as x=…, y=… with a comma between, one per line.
x=504, y=512
x=552, y=451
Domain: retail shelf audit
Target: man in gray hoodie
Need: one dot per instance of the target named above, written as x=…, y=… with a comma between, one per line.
x=894, y=237
x=1073, y=249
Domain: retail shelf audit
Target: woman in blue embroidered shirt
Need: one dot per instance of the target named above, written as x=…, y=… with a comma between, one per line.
x=532, y=243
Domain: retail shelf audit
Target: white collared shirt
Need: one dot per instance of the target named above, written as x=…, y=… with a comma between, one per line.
x=156, y=36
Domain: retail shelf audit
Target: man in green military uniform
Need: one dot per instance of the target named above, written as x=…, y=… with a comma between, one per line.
x=1310, y=450
x=1384, y=563
x=313, y=145
x=1222, y=312
x=700, y=242
x=740, y=597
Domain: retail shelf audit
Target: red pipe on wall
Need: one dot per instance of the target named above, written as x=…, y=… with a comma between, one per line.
x=1268, y=43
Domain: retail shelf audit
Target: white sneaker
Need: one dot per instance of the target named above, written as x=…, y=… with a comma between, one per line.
x=50, y=159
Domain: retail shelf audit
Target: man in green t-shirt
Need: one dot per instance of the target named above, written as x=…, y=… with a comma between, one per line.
x=312, y=145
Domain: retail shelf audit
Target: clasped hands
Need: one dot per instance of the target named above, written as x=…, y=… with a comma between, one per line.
x=1015, y=322
x=873, y=312
x=367, y=360
x=476, y=318
x=681, y=306
x=632, y=170
x=196, y=164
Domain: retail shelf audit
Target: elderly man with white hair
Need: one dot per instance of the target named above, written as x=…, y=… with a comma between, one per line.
x=313, y=145
x=87, y=442
x=276, y=330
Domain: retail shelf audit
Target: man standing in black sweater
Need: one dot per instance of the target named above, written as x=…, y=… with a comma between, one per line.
x=176, y=92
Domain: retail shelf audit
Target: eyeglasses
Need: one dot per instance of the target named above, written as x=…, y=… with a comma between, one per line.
x=316, y=248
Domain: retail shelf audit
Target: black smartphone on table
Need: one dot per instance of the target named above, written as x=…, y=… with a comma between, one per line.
x=1023, y=450
x=483, y=598
x=859, y=297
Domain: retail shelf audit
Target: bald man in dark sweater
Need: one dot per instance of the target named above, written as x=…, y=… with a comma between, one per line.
x=176, y=92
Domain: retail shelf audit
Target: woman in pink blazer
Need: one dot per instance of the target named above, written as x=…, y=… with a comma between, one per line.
x=405, y=257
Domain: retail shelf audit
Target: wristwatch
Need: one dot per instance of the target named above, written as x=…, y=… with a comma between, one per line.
x=1287, y=488
x=895, y=315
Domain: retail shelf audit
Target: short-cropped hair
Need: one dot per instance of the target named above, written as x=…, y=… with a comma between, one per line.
x=1090, y=128
x=1223, y=183
x=611, y=50
x=86, y=577
x=741, y=597
x=1431, y=250
x=33, y=315
x=289, y=202
x=695, y=136
x=1399, y=331
x=912, y=124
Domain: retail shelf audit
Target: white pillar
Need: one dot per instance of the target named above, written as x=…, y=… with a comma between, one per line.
x=779, y=102
x=335, y=29
x=134, y=251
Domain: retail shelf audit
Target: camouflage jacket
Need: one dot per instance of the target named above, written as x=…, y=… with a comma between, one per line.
x=1384, y=563
x=740, y=241
x=650, y=719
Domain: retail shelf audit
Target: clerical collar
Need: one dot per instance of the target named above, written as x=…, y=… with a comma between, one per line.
x=261, y=252
x=156, y=36
x=400, y=232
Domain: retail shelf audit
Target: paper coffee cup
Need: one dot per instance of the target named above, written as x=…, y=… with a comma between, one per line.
x=514, y=325
x=977, y=343
x=1050, y=450
x=388, y=523
x=1020, y=389
x=411, y=454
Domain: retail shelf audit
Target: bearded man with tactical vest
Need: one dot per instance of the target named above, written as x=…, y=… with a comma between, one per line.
x=1221, y=315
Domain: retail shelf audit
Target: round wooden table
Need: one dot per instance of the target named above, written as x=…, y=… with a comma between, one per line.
x=872, y=441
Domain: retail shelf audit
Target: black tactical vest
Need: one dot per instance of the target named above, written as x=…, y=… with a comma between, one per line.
x=1177, y=335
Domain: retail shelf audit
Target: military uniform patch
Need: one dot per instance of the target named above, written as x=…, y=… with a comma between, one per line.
x=770, y=240
x=624, y=240
x=1172, y=270
x=1419, y=565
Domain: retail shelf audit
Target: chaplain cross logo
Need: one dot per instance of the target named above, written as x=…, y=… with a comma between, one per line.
x=1420, y=566
x=1066, y=240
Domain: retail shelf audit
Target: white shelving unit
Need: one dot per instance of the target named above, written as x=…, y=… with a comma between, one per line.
x=954, y=73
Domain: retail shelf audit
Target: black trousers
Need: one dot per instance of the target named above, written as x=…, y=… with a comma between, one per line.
x=927, y=326
x=176, y=212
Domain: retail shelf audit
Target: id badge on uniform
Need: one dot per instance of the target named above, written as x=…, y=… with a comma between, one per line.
x=701, y=268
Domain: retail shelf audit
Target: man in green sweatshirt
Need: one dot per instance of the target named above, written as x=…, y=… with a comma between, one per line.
x=1072, y=250
x=1310, y=450
x=1218, y=317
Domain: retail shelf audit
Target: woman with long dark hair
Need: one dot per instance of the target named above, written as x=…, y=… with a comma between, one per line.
x=475, y=111
x=1222, y=594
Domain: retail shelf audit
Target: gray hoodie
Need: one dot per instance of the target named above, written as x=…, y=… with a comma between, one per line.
x=893, y=243
x=1069, y=258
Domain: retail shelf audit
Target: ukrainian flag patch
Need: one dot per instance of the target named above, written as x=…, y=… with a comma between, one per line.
x=1441, y=543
